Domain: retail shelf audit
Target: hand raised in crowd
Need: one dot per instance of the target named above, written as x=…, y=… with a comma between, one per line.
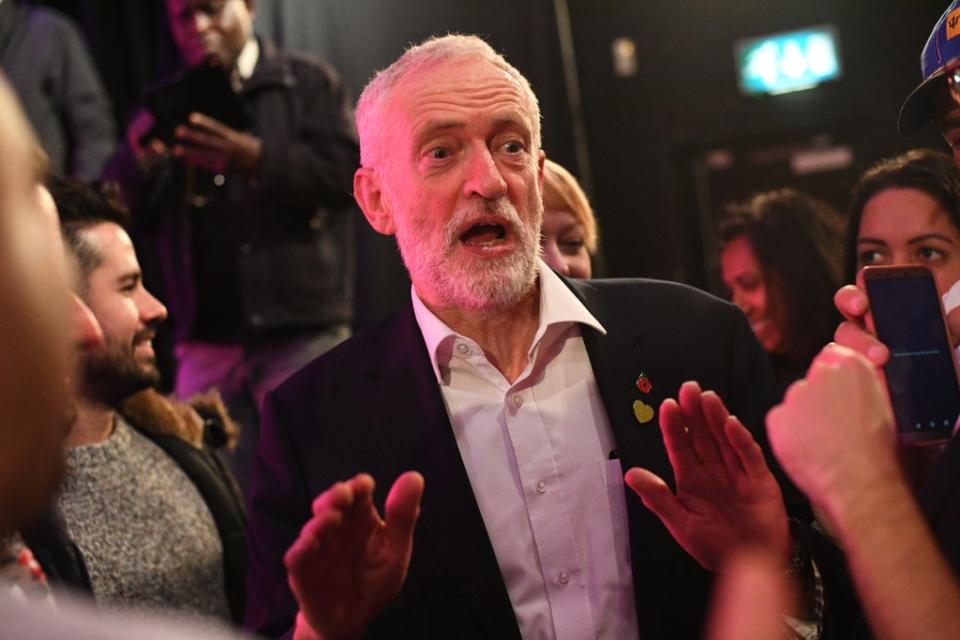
x=213, y=146
x=348, y=563
x=839, y=404
x=726, y=496
x=150, y=152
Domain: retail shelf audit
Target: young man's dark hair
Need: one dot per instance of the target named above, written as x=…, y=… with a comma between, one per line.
x=81, y=207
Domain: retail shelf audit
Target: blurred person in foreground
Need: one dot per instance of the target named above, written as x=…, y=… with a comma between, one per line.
x=39, y=321
x=780, y=259
x=144, y=495
x=252, y=227
x=569, y=231
x=519, y=396
x=834, y=434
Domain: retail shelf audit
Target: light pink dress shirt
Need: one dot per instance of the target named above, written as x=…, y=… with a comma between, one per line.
x=537, y=455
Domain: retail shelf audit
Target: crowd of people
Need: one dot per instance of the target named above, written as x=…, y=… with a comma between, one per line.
x=520, y=451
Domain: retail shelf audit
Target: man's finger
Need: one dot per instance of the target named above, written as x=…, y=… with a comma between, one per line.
x=338, y=497
x=716, y=414
x=701, y=438
x=403, y=507
x=746, y=448
x=209, y=124
x=200, y=139
x=656, y=496
x=676, y=440
x=854, y=337
x=852, y=303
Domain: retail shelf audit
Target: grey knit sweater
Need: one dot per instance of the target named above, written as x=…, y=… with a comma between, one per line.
x=146, y=536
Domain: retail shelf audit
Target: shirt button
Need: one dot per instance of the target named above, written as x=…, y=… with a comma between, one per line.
x=219, y=179
x=564, y=577
x=463, y=349
x=516, y=401
x=541, y=486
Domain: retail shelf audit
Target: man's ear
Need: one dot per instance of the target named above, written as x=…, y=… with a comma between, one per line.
x=370, y=196
x=541, y=162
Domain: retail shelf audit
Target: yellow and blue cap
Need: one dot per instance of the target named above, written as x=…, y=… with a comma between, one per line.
x=942, y=48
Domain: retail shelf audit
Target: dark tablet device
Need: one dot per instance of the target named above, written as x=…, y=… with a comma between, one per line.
x=204, y=88
x=921, y=374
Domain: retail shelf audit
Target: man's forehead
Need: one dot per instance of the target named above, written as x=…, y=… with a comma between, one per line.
x=436, y=95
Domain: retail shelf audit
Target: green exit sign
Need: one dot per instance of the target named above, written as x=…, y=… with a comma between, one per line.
x=786, y=62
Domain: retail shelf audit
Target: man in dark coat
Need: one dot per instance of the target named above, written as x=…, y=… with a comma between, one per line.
x=520, y=397
x=251, y=226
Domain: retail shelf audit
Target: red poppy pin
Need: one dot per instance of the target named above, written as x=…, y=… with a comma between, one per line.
x=643, y=383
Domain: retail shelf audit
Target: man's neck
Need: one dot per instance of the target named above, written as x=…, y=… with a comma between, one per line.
x=504, y=334
x=94, y=424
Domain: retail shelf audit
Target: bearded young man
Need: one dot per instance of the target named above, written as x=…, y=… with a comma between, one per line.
x=519, y=396
x=145, y=518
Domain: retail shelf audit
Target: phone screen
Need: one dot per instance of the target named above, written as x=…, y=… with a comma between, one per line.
x=920, y=374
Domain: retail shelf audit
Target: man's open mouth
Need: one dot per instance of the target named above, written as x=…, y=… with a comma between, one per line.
x=484, y=234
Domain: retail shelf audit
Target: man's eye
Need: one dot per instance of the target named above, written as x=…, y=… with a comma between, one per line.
x=513, y=146
x=438, y=153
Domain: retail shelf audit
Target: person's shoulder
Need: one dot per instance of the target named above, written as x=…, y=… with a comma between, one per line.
x=335, y=366
x=644, y=291
x=51, y=20
x=301, y=64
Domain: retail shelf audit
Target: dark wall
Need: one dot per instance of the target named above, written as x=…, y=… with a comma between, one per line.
x=685, y=98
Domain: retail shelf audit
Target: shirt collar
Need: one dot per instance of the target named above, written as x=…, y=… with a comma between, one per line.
x=246, y=61
x=558, y=306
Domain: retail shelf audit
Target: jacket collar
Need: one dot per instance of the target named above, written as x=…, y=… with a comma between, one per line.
x=272, y=69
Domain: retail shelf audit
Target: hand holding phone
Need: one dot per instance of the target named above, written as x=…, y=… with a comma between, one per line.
x=921, y=374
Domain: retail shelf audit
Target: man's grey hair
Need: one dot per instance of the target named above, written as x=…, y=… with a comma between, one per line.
x=429, y=53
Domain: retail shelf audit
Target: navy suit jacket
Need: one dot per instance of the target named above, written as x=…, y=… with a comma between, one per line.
x=373, y=405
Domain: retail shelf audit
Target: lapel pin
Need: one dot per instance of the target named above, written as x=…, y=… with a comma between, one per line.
x=643, y=383
x=642, y=411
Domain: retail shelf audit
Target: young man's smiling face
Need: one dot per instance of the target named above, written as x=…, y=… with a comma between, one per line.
x=128, y=315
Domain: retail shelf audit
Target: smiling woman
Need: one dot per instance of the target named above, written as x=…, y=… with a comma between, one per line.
x=781, y=263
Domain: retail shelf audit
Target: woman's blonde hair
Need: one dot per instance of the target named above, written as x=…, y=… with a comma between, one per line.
x=561, y=191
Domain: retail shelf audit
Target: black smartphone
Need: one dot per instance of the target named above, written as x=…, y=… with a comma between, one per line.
x=921, y=373
x=204, y=88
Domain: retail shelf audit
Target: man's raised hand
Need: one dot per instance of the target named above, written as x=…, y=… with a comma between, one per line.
x=726, y=497
x=348, y=563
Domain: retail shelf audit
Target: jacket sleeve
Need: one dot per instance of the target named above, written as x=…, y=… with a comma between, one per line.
x=86, y=111
x=317, y=168
x=279, y=506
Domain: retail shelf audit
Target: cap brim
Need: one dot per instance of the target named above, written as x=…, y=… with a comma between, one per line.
x=919, y=108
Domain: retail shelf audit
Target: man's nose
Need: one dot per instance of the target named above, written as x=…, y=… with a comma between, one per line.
x=151, y=309
x=87, y=333
x=483, y=176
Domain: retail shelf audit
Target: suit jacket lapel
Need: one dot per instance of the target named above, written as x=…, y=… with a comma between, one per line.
x=415, y=422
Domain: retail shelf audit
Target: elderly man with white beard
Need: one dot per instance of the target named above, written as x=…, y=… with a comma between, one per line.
x=518, y=398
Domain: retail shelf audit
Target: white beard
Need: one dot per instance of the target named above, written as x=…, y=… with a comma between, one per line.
x=481, y=284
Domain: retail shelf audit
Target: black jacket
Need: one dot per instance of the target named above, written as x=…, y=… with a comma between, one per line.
x=373, y=404
x=63, y=563
x=288, y=233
